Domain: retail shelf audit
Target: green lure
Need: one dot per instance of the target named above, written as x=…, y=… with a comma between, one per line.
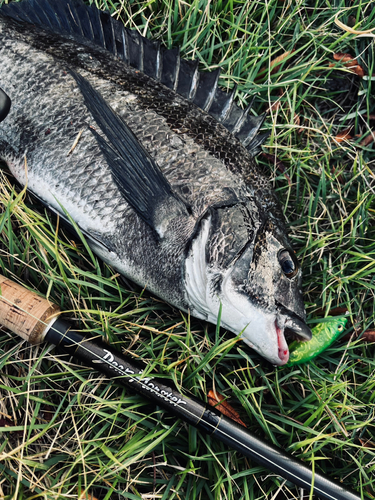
x=323, y=335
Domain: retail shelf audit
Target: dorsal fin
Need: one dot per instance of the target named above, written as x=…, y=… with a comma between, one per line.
x=165, y=65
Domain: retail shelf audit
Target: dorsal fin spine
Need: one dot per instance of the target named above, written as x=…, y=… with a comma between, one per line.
x=76, y=19
x=178, y=63
x=254, y=123
x=158, y=62
x=141, y=54
x=211, y=94
x=237, y=126
x=229, y=105
x=84, y=17
x=194, y=84
x=164, y=65
x=63, y=17
x=108, y=32
x=126, y=46
x=242, y=118
x=42, y=16
x=96, y=26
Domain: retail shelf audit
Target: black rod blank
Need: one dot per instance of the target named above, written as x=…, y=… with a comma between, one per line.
x=193, y=411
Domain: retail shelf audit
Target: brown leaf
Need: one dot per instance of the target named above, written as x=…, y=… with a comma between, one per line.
x=349, y=62
x=341, y=56
x=340, y=179
x=358, y=70
x=338, y=311
x=368, y=140
x=369, y=336
x=370, y=117
x=274, y=64
x=218, y=401
x=85, y=495
x=344, y=135
x=297, y=121
x=275, y=106
x=367, y=443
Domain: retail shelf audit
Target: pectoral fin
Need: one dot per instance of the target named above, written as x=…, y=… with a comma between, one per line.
x=136, y=174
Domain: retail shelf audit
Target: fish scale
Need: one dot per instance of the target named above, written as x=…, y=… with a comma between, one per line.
x=178, y=155
x=166, y=192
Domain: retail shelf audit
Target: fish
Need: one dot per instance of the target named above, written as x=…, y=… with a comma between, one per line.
x=154, y=163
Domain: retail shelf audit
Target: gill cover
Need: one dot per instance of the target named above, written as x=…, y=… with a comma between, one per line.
x=246, y=266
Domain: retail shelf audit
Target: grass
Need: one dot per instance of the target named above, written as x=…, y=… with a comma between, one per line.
x=64, y=429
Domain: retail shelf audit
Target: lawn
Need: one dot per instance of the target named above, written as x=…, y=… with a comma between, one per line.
x=65, y=430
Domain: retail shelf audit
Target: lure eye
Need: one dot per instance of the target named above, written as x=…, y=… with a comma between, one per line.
x=288, y=263
x=340, y=328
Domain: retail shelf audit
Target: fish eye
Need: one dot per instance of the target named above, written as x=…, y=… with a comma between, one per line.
x=288, y=263
x=340, y=328
x=5, y=104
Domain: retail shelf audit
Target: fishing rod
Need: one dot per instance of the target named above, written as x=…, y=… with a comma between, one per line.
x=36, y=320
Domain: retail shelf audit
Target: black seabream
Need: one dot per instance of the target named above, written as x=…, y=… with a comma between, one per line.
x=153, y=162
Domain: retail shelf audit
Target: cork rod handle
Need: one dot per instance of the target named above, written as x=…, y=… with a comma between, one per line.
x=24, y=312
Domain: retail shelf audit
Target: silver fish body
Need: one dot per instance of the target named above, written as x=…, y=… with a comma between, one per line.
x=162, y=189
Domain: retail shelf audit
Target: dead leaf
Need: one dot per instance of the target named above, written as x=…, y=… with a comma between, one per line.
x=338, y=311
x=369, y=117
x=349, y=62
x=274, y=64
x=297, y=121
x=369, y=336
x=368, y=140
x=344, y=135
x=367, y=443
x=340, y=179
x=86, y=496
x=350, y=29
x=218, y=401
x=275, y=106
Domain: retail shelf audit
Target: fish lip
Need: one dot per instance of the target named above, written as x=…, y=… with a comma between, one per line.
x=286, y=325
x=298, y=327
x=283, y=349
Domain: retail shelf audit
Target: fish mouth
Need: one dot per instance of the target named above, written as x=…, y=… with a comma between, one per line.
x=287, y=330
x=283, y=349
x=296, y=329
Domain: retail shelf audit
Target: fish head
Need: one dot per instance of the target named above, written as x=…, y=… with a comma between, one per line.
x=241, y=263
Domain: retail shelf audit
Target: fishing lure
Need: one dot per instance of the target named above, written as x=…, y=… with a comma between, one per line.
x=323, y=335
